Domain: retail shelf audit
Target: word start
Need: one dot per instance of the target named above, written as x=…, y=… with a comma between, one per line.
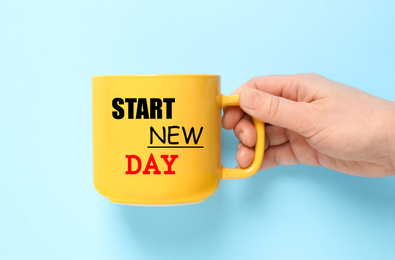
x=167, y=136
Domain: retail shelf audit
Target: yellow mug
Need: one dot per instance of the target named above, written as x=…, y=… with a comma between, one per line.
x=156, y=138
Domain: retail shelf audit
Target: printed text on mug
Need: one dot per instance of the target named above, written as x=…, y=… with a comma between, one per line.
x=165, y=137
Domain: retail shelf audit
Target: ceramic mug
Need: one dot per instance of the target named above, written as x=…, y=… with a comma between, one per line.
x=157, y=138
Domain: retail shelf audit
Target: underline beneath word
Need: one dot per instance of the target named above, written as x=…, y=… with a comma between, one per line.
x=175, y=146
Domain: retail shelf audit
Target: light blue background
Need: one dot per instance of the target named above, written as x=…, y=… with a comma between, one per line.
x=49, y=51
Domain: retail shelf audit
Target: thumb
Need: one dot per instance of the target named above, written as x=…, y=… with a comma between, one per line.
x=275, y=110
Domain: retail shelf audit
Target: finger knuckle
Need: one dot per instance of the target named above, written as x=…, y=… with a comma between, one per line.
x=309, y=75
x=274, y=106
x=277, y=158
x=252, y=83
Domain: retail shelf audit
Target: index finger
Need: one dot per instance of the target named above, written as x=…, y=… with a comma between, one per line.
x=299, y=87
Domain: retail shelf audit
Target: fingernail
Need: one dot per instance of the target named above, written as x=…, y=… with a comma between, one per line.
x=249, y=98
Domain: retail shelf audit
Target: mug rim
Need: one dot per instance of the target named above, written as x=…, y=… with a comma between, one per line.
x=158, y=75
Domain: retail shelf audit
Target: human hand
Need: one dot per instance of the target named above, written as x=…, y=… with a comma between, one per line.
x=315, y=121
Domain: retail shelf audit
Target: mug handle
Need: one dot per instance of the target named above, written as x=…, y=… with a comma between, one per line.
x=228, y=173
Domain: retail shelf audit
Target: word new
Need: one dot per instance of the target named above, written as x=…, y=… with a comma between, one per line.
x=137, y=108
x=171, y=134
x=151, y=164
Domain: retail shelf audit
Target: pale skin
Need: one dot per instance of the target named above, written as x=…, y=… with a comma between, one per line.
x=315, y=121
